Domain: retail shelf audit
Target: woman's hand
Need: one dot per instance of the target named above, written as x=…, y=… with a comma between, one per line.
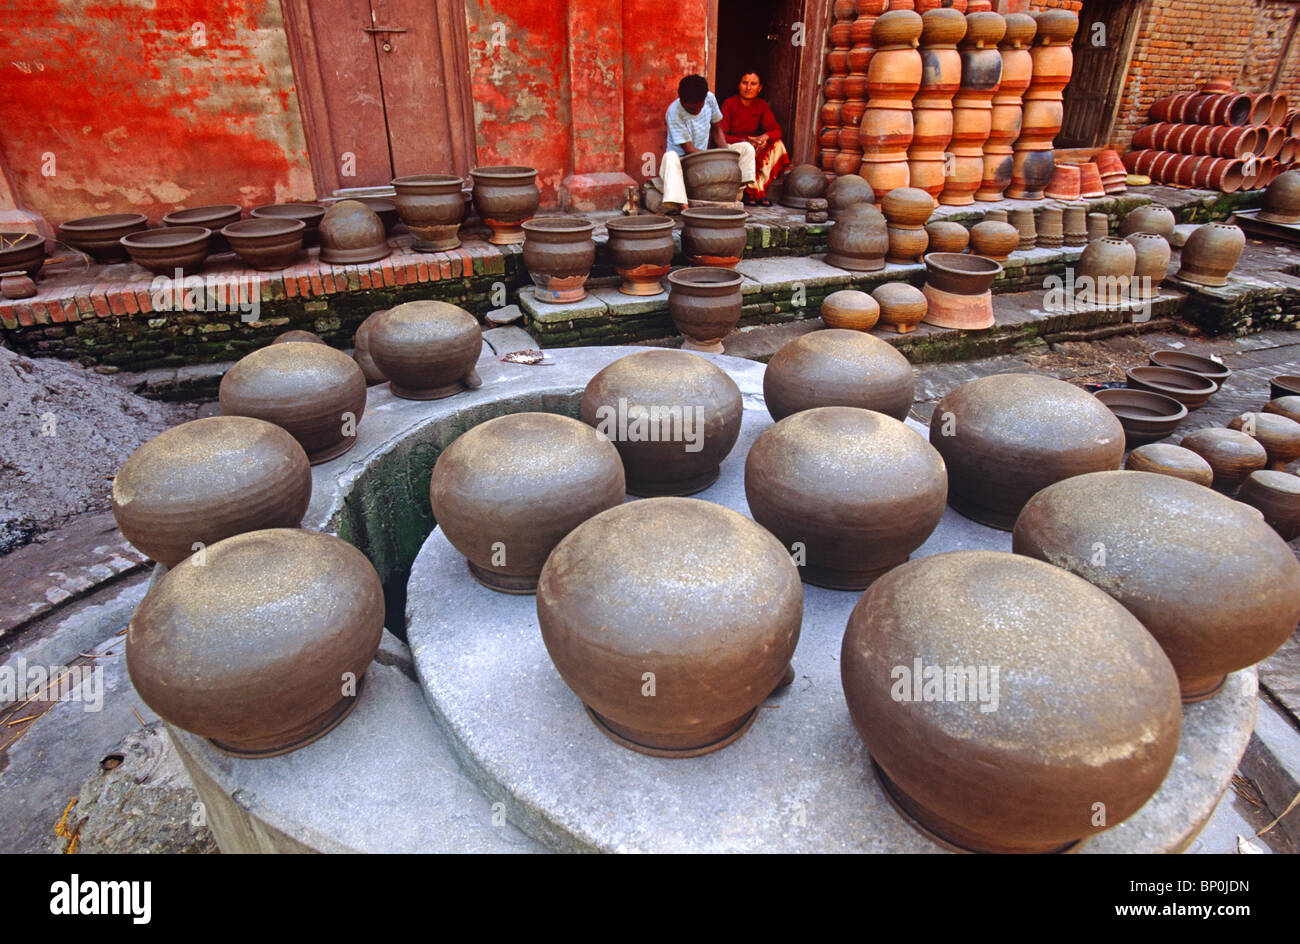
x=760, y=141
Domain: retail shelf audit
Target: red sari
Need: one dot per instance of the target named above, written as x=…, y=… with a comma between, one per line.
x=740, y=122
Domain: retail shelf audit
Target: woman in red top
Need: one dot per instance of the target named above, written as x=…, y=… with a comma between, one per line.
x=746, y=117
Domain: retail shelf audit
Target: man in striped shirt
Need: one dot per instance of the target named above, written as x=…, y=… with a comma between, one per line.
x=694, y=125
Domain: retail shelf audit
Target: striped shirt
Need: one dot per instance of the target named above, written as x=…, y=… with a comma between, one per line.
x=684, y=127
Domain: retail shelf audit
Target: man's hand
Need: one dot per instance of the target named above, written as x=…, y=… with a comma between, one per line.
x=688, y=147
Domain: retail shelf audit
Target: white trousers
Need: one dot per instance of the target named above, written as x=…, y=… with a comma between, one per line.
x=670, y=169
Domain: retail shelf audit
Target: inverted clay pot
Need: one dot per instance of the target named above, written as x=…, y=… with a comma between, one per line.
x=504, y=197
x=1145, y=416
x=432, y=206
x=714, y=236
x=1210, y=369
x=507, y=491
x=310, y=213
x=804, y=182
x=559, y=252
x=266, y=244
x=641, y=248
x=994, y=240
x=838, y=368
x=211, y=217
x=1284, y=406
x=1188, y=388
x=848, y=190
x=1232, y=455
x=946, y=236
x=22, y=252
x=712, y=174
x=1282, y=199
x=1279, y=436
x=426, y=349
x=859, y=239
x=1151, y=218
x=1105, y=271
x=350, y=232
x=1168, y=459
x=164, y=251
x=850, y=309
x=263, y=649
x=902, y=306
x=705, y=304
x=361, y=351
x=1211, y=253
x=716, y=639
x=100, y=236
x=1277, y=497
x=1151, y=263
x=958, y=289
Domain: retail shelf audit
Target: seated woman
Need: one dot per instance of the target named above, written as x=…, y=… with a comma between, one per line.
x=746, y=117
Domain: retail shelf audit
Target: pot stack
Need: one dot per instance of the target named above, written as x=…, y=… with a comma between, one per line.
x=941, y=30
x=893, y=79
x=972, y=108
x=837, y=71
x=1008, y=105
x=1043, y=113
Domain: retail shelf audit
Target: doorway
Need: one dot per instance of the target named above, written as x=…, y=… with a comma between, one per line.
x=1103, y=50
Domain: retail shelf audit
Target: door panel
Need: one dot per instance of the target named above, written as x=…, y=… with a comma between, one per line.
x=1097, y=81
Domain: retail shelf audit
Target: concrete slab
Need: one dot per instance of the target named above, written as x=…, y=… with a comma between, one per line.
x=588, y=308
x=785, y=273
x=621, y=306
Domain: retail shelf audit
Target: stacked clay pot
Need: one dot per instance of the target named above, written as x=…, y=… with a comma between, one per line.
x=1017, y=69
x=426, y=349
x=893, y=77
x=972, y=108
x=432, y=206
x=1043, y=111
x=641, y=248
x=837, y=70
x=1279, y=435
x=907, y=209
x=941, y=30
x=854, y=62
x=1189, y=170
x=859, y=239
x=838, y=367
x=959, y=288
x=1211, y=253
x=504, y=197
x=704, y=303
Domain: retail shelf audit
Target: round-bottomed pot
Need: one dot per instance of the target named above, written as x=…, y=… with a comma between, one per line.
x=705, y=304
x=1232, y=455
x=641, y=248
x=1277, y=497
x=559, y=252
x=426, y=349
x=432, y=206
x=838, y=367
x=504, y=197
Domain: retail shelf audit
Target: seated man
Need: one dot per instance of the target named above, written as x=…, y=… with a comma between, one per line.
x=694, y=124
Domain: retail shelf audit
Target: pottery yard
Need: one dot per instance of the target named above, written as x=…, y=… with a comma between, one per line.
x=806, y=426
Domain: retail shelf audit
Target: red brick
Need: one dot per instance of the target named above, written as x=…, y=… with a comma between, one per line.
x=304, y=285
x=444, y=266
x=69, y=306
x=390, y=279
x=115, y=303
x=128, y=301
x=412, y=272
x=8, y=316
x=144, y=301
x=100, y=302
x=422, y=271
x=363, y=274
x=54, y=312
x=290, y=284
x=327, y=280
x=317, y=286
x=25, y=316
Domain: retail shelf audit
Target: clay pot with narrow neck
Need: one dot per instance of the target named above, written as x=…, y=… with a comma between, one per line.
x=705, y=304
x=504, y=197
x=22, y=252
x=309, y=213
x=171, y=248
x=958, y=289
x=838, y=367
x=714, y=236
x=641, y=248
x=211, y=217
x=426, y=349
x=350, y=233
x=1211, y=253
x=559, y=252
x=100, y=236
x=859, y=239
x=265, y=243
x=1168, y=459
x=432, y=207
x=712, y=174
x=1151, y=263
x=1277, y=497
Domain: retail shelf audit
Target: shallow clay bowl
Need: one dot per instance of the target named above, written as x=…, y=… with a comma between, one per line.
x=960, y=274
x=213, y=217
x=163, y=251
x=310, y=214
x=266, y=243
x=1189, y=389
x=22, y=252
x=1145, y=416
x=1210, y=369
x=100, y=236
x=1284, y=385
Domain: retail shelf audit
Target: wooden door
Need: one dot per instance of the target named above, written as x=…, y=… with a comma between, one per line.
x=760, y=36
x=1101, y=60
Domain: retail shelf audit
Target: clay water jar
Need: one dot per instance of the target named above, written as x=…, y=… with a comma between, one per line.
x=804, y=182
x=22, y=252
x=846, y=191
x=838, y=367
x=641, y=248
x=850, y=309
x=1168, y=459
x=958, y=289
x=426, y=349
x=714, y=236
x=1210, y=369
x=384, y=208
x=1105, y=271
x=902, y=306
x=859, y=239
x=1277, y=497
x=994, y=240
x=207, y=480
x=1188, y=388
x=859, y=490
x=1279, y=436
x=255, y=649
x=505, y=196
x=1284, y=406
x=266, y=243
x=672, y=416
x=211, y=217
x=1012, y=435
x=1282, y=200
x=310, y=214
x=432, y=206
x=712, y=174
x=1151, y=264
x=1145, y=416
x=350, y=233
x=1010, y=777
x=164, y=251
x=705, y=304
x=507, y=491
x=361, y=351
x=1211, y=253
x=559, y=252
x=100, y=236
x=1238, y=595
x=1231, y=454
x=705, y=600
x=946, y=236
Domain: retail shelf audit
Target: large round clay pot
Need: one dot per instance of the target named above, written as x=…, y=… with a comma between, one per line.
x=1059, y=701
x=672, y=416
x=958, y=289
x=171, y=248
x=1168, y=459
x=641, y=248
x=432, y=206
x=1232, y=455
x=1284, y=406
x=1188, y=388
x=994, y=240
x=315, y=392
x=705, y=305
x=426, y=349
x=100, y=236
x=1151, y=263
x=712, y=174
x=894, y=73
x=851, y=492
x=309, y=213
x=1279, y=436
x=902, y=306
x=1238, y=595
x=289, y=337
x=837, y=367
x=263, y=649
x=1276, y=495
x=361, y=351
x=559, y=252
x=209, y=217
x=946, y=236
x=1105, y=271
x=804, y=182
x=714, y=236
x=1007, y=436
x=1145, y=416
x=504, y=197
x=850, y=309
x=1282, y=199
x=350, y=232
x=859, y=239
x=505, y=492
x=206, y=480
x=1031, y=171
x=846, y=191
x=687, y=595
x=1210, y=253
x=266, y=243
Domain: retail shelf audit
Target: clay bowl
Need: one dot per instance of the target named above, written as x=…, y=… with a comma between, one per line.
x=316, y=393
x=310, y=214
x=672, y=416
x=426, y=349
x=1210, y=369
x=1285, y=406
x=1284, y=385
x=1279, y=435
x=1189, y=389
x=701, y=598
x=1168, y=459
x=705, y=304
x=288, y=337
x=361, y=351
x=351, y=233
x=854, y=490
x=384, y=208
x=206, y=480
x=837, y=367
x=1145, y=416
x=211, y=217
x=1238, y=584
x=172, y=248
x=851, y=309
x=961, y=274
x=100, y=236
x=1231, y=454
x=947, y=237
x=902, y=306
x=263, y=649
x=266, y=243
x=1086, y=706
x=1277, y=497
x=508, y=490
x=22, y=252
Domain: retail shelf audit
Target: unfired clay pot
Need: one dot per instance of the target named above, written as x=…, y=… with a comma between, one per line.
x=266, y=243
x=1151, y=218
x=712, y=174
x=859, y=239
x=559, y=252
x=847, y=190
x=289, y=337
x=163, y=251
x=1231, y=454
x=1284, y=406
x=100, y=236
x=803, y=183
x=1105, y=271
x=361, y=352
x=505, y=196
x=1168, y=459
x=946, y=236
x=1211, y=253
x=1205, y=366
x=1282, y=199
x=1277, y=496
x=350, y=232
x=426, y=349
x=851, y=309
x=1145, y=416
x=714, y=236
x=1151, y=264
x=641, y=248
x=902, y=306
x=22, y=252
x=994, y=240
x=705, y=305
x=210, y=217
x=838, y=368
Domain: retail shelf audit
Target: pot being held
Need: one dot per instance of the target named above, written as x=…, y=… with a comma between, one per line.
x=559, y=252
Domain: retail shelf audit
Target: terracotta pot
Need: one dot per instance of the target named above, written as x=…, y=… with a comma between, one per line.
x=266, y=244
x=1211, y=253
x=432, y=207
x=426, y=349
x=857, y=489
x=1031, y=172
x=297, y=336
x=946, y=236
x=941, y=30
x=1014, y=434
x=1151, y=263
x=837, y=61
x=902, y=306
x=850, y=309
x=22, y=252
x=1284, y=406
x=859, y=239
x=642, y=248
x=1167, y=459
x=17, y=285
x=210, y=217
x=713, y=174
x=264, y=648
x=309, y=213
x=1232, y=455
x=352, y=233
x=1210, y=369
x=714, y=236
x=886, y=175
x=894, y=74
x=838, y=367
x=1219, y=85
x=802, y=183
x=672, y=416
x=1150, y=219
x=1051, y=227
x=1023, y=220
x=384, y=208
x=559, y=252
x=884, y=135
x=1009, y=780
x=957, y=290
x=608, y=617
x=830, y=113
x=504, y=197
x=847, y=190
x=206, y=480
x=906, y=244
x=1145, y=416
x=164, y=251
x=508, y=490
x=1261, y=109
x=705, y=304
x=997, y=215
x=1205, y=630
x=1277, y=496
x=100, y=236
x=1189, y=389
x=1208, y=110
x=1282, y=199
x=926, y=175
x=1075, y=221
x=907, y=206
x=1279, y=436
x=994, y=240
x=1105, y=272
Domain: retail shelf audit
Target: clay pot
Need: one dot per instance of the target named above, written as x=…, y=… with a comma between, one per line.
x=1189, y=389
x=717, y=637
x=1031, y=171
x=850, y=309
x=1277, y=496
x=946, y=236
x=432, y=206
x=507, y=491
x=1098, y=226
x=504, y=197
x=979, y=778
x=17, y=285
x=22, y=252
x=1076, y=225
x=994, y=240
x=426, y=349
x=1231, y=454
x=1145, y=416
x=859, y=239
x=384, y=208
x=1051, y=228
x=1284, y=406
x=906, y=244
x=712, y=174
x=846, y=191
x=361, y=351
x=100, y=236
x=907, y=206
x=1065, y=183
x=672, y=416
x=1210, y=369
x=858, y=490
x=1152, y=263
x=316, y=393
x=641, y=248
x=1243, y=601
x=350, y=233
x=818, y=211
x=1105, y=271
x=1011, y=435
x=559, y=252
x=164, y=251
x=1282, y=199
x=266, y=244
x=1167, y=459
x=838, y=367
x=1211, y=253
x=1284, y=385
x=209, y=217
x=1090, y=186
x=1279, y=436
x=958, y=290
x=714, y=236
x=705, y=304
x=263, y=649
x=803, y=182
x=1023, y=221
x=902, y=306
x=304, y=337
x=310, y=214
x=206, y=480
x=996, y=216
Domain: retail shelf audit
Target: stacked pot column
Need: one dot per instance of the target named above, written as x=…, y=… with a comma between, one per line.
x=1017, y=69
x=1032, y=166
x=941, y=30
x=893, y=78
x=972, y=108
x=837, y=73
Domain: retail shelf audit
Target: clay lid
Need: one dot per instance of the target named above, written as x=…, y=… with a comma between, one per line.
x=1056, y=26
x=1282, y=199
x=897, y=28
x=985, y=28
x=1021, y=28
x=942, y=26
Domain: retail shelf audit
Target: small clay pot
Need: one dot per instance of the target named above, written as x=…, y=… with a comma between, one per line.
x=1282, y=199
x=206, y=480
x=1023, y=220
x=1145, y=416
x=672, y=416
x=1105, y=271
x=361, y=351
x=1279, y=436
x=946, y=236
x=1076, y=225
x=1168, y=459
x=1284, y=385
x=1098, y=226
x=994, y=240
x=958, y=289
x=1211, y=253
x=426, y=349
x=714, y=236
x=1284, y=406
x=1277, y=496
x=995, y=216
x=385, y=209
x=804, y=182
x=859, y=239
x=850, y=309
x=264, y=243
x=100, y=236
x=559, y=252
x=350, y=233
x=902, y=306
x=1064, y=184
x=1151, y=264
x=1189, y=389
x=641, y=248
x=211, y=217
x=1151, y=218
x=838, y=368
x=504, y=197
x=1051, y=227
x=16, y=285
x=508, y=490
x=848, y=190
x=907, y=244
x=1210, y=369
x=705, y=305
x=310, y=213
x=289, y=337
x=316, y=393
x=432, y=206
x=712, y=174
x=22, y=252
x=1231, y=454
x=171, y=248
x=818, y=210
